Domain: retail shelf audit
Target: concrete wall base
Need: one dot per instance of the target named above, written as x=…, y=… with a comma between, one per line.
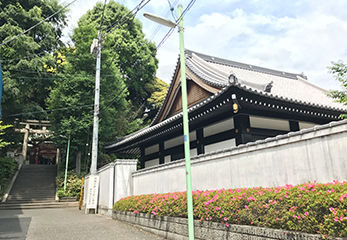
x=177, y=229
x=105, y=211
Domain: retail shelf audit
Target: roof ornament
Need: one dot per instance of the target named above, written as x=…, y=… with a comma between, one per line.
x=232, y=78
x=268, y=87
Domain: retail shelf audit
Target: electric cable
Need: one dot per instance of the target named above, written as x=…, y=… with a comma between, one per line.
x=171, y=9
x=49, y=110
x=36, y=24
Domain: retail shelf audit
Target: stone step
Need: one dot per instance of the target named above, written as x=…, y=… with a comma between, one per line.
x=38, y=205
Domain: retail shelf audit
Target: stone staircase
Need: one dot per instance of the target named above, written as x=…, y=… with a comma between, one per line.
x=34, y=184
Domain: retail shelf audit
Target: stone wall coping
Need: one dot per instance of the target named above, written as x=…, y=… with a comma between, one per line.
x=160, y=225
x=125, y=161
x=285, y=139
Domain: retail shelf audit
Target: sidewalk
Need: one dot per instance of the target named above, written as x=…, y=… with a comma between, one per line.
x=65, y=223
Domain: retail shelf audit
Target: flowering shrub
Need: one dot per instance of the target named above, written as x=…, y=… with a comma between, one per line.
x=310, y=207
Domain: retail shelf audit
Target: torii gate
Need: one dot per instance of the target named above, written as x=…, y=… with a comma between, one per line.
x=27, y=129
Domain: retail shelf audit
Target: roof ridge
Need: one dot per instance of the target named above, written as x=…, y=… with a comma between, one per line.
x=249, y=67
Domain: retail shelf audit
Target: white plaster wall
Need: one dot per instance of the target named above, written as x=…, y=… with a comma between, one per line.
x=179, y=140
x=167, y=159
x=312, y=154
x=303, y=125
x=104, y=186
x=269, y=123
x=152, y=149
x=220, y=145
x=193, y=152
x=123, y=182
x=85, y=189
x=219, y=127
x=152, y=163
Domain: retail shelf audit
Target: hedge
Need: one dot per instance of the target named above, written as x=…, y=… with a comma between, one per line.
x=309, y=207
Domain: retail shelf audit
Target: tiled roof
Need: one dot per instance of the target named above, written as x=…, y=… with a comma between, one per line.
x=286, y=86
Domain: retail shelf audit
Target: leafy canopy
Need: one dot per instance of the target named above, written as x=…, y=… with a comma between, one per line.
x=339, y=69
x=128, y=68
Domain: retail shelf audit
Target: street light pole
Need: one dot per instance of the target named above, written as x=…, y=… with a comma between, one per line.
x=186, y=126
x=171, y=24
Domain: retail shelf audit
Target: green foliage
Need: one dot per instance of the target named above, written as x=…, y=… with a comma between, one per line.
x=310, y=207
x=2, y=128
x=339, y=69
x=8, y=167
x=73, y=184
x=25, y=56
x=127, y=62
x=159, y=90
x=24, y=60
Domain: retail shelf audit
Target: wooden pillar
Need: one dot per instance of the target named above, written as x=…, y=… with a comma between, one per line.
x=242, y=129
x=142, y=159
x=294, y=126
x=161, y=153
x=200, y=141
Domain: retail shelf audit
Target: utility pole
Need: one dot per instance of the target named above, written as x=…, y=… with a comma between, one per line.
x=96, y=48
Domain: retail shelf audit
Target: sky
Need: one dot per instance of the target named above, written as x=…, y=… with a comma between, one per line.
x=292, y=36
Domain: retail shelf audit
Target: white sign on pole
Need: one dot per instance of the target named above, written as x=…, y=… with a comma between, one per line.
x=93, y=191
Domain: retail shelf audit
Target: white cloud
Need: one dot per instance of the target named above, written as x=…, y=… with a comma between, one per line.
x=295, y=36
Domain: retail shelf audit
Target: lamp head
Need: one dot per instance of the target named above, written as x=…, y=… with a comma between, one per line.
x=160, y=20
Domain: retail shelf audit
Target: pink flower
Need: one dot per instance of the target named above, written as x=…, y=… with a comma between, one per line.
x=246, y=207
x=206, y=219
x=306, y=213
x=227, y=224
x=210, y=218
x=266, y=206
x=336, y=219
x=225, y=219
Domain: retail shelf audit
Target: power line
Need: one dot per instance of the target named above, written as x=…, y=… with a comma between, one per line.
x=171, y=9
x=145, y=62
x=102, y=16
x=36, y=24
x=49, y=110
x=138, y=7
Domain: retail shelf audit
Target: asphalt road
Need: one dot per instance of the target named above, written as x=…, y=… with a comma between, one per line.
x=65, y=223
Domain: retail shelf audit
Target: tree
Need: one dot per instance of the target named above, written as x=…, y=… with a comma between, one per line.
x=125, y=45
x=26, y=80
x=128, y=67
x=23, y=59
x=2, y=128
x=159, y=90
x=340, y=71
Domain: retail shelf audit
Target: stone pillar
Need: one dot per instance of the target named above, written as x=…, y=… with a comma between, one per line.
x=57, y=157
x=25, y=143
x=123, y=182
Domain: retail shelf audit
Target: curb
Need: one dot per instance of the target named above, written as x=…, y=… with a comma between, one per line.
x=11, y=184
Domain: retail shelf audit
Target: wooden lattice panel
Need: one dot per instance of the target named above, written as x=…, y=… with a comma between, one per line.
x=195, y=94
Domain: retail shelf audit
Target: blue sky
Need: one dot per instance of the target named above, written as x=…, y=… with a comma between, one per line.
x=293, y=36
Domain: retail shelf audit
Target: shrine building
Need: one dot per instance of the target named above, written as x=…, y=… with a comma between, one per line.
x=229, y=103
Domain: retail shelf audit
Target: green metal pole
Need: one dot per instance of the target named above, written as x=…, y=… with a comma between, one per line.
x=186, y=127
x=67, y=162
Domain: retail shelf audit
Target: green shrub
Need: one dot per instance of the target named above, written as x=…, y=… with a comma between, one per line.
x=8, y=166
x=310, y=207
x=73, y=184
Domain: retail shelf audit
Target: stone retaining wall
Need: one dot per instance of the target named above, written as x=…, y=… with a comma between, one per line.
x=177, y=229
